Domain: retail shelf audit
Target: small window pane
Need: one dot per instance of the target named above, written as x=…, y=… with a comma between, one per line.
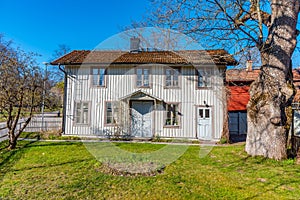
x=139, y=80
x=146, y=81
x=168, y=72
x=206, y=113
x=102, y=77
x=201, y=113
x=139, y=71
x=95, y=71
x=146, y=72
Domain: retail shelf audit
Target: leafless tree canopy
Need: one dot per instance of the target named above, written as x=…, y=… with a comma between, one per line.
x=20, y=88
x=237, y=25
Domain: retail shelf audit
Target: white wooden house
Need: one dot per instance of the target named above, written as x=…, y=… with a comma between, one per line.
x=145, y=94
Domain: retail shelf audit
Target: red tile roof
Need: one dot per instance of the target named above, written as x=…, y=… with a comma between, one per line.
x=167, y=57
x=238, y=98
x=242, y=75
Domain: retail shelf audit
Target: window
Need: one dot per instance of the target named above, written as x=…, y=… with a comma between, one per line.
x=81, y=112
x=172, y=77
x=98, y=76
x=204, y=113
x=109, y=115
x=142, y=77
x=205, y=77
x=172, y=115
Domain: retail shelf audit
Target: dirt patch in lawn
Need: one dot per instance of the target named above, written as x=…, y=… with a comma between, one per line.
x=132, y=169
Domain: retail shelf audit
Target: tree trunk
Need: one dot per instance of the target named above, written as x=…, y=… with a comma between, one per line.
x=273, y=91
x=12, y=140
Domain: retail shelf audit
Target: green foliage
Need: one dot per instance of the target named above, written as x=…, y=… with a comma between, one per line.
x=66, y=170
x=47, y=135
x=60, y=85
x=223, y=140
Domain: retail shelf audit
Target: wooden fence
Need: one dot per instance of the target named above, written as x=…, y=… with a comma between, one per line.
x=37, y=125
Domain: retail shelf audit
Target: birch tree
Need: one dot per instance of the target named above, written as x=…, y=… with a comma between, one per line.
x=236, y=25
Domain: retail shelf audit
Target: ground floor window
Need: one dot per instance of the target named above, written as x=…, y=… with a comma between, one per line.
x=109, y=113
x=171, y=117
x=82, y=113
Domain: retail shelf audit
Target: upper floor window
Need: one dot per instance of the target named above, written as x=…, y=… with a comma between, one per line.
x=142, y=77
x=205, y=77
x=82, y=113
x=172, y=77
x=98, y=78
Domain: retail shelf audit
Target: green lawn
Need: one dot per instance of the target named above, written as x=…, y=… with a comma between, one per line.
x=66, y=170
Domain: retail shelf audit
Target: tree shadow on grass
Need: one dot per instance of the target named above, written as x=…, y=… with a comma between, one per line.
x=8, y=158
x=54, y=165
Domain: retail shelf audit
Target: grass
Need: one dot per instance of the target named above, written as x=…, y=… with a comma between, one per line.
x=47, y=135
x=66, y=170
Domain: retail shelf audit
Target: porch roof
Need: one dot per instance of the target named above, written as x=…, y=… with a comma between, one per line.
x=139, y=95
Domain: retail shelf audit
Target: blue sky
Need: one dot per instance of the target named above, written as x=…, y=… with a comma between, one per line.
x=41, y=25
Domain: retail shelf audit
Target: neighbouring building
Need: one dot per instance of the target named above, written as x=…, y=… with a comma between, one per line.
x=238, y=83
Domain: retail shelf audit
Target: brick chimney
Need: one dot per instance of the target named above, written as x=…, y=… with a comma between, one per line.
x=249, y=65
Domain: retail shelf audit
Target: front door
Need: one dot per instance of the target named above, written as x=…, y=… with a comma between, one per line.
x=204, y=123
x=141, y=118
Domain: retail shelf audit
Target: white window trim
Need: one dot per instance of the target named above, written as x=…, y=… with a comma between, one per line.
x=105, y=113
x=176, y=113
x=178, y=69
x=143, y=79
x=207, y=77
x=81, y=112
x=98, y=76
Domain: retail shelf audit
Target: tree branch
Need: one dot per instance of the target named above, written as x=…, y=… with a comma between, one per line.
x=254, y=14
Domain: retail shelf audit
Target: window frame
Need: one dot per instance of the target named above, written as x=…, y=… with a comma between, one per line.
x=208, y=74
x=113, y=123
x=177, y=115
x=81, y=123
x=172, y=69
x=98, y=76
x=143, y=75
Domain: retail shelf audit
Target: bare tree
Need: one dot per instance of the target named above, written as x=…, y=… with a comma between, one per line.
x=54, y=75
x=236, y=25
x=20, y=89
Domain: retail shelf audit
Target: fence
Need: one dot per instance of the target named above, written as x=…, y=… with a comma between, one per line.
x=36, y=124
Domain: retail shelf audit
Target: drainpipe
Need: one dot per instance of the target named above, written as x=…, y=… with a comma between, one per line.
x=65, y=98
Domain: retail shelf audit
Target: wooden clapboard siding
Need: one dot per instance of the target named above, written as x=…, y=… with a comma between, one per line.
x=121, y=82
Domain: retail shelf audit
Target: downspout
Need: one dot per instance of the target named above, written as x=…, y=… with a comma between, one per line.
x=65, y=98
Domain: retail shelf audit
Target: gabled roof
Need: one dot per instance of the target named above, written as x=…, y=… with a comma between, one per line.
x=77, y=57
